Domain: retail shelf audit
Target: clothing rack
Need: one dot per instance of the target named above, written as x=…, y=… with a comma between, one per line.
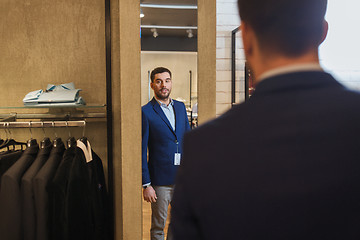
x=42, y=124
x=66, y=116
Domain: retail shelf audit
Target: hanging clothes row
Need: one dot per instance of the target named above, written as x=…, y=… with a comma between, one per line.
x=49, y=191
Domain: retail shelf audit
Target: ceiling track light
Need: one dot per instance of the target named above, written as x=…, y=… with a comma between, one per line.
x=155, y=33
x=169, y=6
x=190, y=33
x=169, y=27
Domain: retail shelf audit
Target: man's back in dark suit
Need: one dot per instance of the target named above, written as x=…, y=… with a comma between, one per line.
x=285, y=164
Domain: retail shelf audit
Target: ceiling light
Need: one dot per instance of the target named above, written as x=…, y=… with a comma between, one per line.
x=141, y=13
x=190, y=33
x=155, y=33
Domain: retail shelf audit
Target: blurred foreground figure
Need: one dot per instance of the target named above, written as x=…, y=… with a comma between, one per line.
x=285, y=164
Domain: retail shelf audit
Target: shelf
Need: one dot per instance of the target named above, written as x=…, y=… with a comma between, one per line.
x=39, y=106
x=42, y=124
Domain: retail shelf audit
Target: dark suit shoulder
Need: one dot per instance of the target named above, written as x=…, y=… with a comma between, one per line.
x=49, y=167
x=218, y=122
x=7, y=160
x=20, y=166
x=9, y=180
x=37, y=164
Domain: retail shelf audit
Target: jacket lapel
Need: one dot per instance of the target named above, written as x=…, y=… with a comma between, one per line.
x=160, y=112
x=177, y=110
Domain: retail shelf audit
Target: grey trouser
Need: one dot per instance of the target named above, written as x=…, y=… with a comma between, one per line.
x=159, y=211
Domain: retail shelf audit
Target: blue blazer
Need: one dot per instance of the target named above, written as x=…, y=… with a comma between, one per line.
x=162, y=142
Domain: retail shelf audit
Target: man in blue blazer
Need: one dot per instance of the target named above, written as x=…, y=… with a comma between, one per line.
x=285, y=164
x=164, y=122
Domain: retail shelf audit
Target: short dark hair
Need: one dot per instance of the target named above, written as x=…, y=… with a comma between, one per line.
x=158, y=70
x=287, y=26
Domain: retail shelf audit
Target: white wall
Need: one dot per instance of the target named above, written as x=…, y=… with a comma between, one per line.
x=179, y=63
x=340, y=52
x=227, y=20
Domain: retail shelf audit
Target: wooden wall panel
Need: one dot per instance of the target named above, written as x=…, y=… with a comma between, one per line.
x=206, y=60
x=126, y=84
x=44, y=41
x=52, y=42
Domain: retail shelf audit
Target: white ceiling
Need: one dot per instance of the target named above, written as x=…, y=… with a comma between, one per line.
x=165, y=15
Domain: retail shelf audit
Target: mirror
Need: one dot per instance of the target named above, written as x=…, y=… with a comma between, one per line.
x=169, y=39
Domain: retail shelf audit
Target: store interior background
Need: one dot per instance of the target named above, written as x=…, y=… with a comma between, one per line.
x=57, y=42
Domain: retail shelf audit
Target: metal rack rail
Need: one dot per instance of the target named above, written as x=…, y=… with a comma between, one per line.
x=52, y=116
x=42, y=124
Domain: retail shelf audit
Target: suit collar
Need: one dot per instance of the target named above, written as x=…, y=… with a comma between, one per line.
x=295, y=81
x=160, y=112
x=305, y=67
x=163, y=104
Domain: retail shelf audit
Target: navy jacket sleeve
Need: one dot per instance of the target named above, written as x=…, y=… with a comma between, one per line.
x=144, y=146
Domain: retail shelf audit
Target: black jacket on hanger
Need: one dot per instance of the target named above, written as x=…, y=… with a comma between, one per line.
x=100, y=207
x=40, y=184
x=27, y=193
x=78, y=200
x=57, y=196
x=87, y=199
x=7, y=159
x=10, y=197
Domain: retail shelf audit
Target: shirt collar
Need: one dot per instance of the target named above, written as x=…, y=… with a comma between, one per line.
x=291, y=68
x=163, y=104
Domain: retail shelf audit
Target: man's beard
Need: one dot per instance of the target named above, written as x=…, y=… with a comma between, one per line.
x=162, y=97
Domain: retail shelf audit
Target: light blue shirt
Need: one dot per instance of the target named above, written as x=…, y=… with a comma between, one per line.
x=169, y=112
x=62, y=95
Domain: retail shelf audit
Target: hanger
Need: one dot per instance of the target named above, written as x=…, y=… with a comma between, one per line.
x=7, y=136
x=31, y=142
x=11, y=142
x=83, y=138
x=1, y=140
x=71, y=142
x=46, y=141
x=57, y=141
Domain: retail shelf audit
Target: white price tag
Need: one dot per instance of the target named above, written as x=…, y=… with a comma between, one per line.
x=177, y=158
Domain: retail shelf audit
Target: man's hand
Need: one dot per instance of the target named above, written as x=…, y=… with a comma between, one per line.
x=149, y=194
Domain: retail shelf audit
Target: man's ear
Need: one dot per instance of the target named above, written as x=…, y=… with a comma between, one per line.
x=247, y=35
x=325, y=31
x=151, y=85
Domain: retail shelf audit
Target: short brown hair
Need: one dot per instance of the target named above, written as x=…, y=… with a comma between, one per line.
x=158, y=70
x=287, y=26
